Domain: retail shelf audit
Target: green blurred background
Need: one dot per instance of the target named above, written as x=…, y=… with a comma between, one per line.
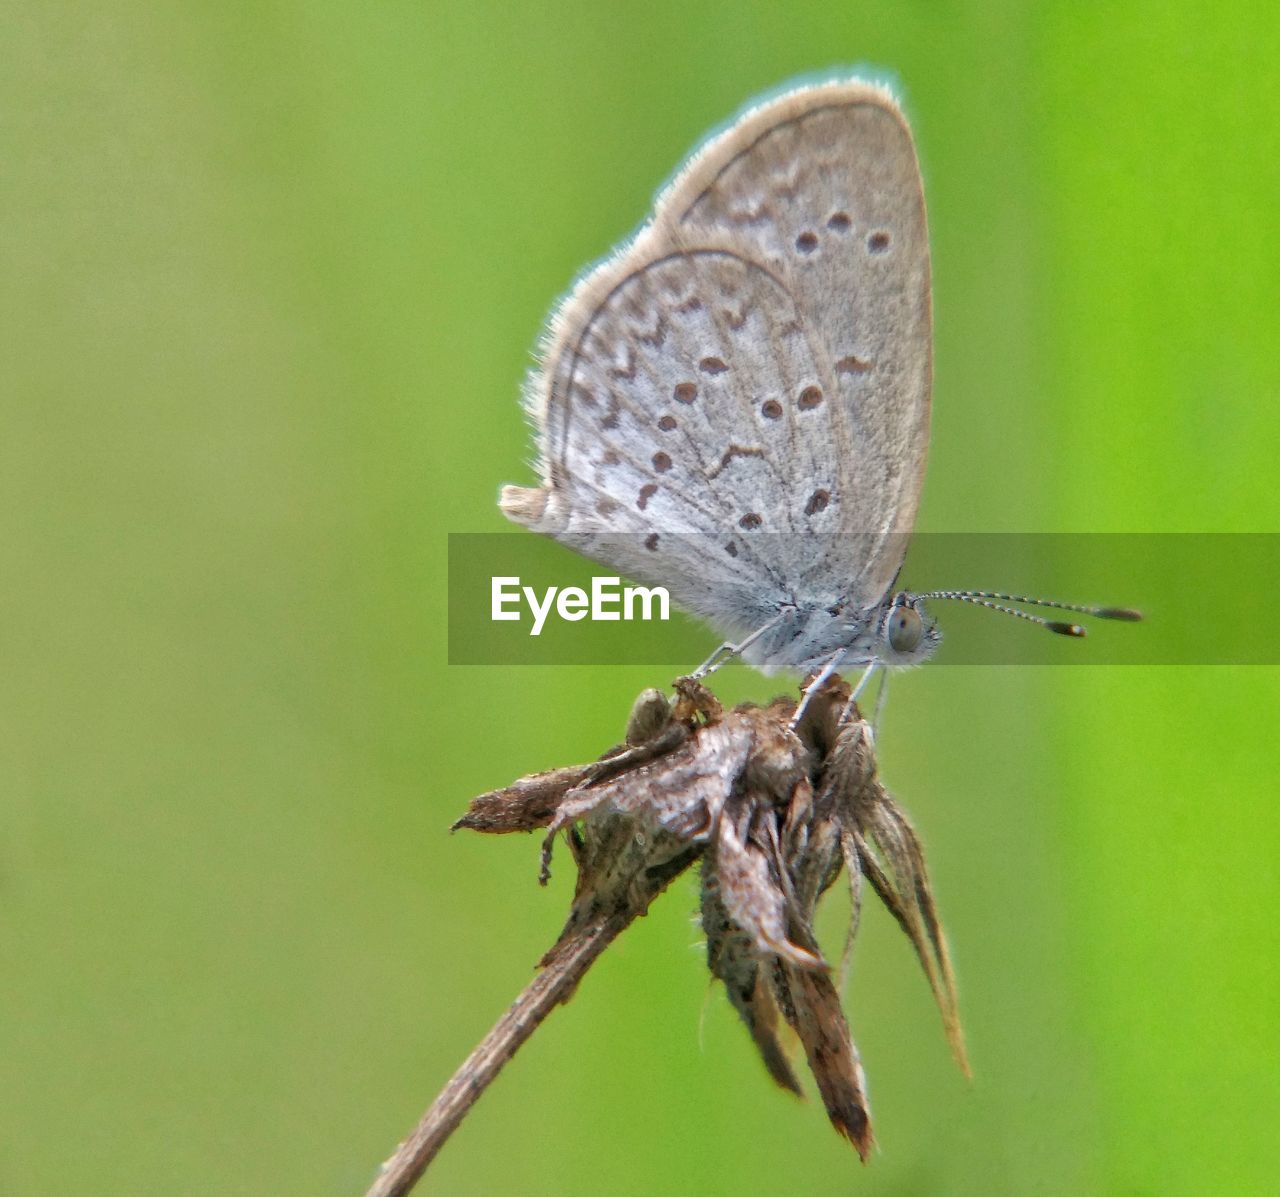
x=270, y=276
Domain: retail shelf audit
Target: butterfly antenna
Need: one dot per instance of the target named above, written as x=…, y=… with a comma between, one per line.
x=987, y=598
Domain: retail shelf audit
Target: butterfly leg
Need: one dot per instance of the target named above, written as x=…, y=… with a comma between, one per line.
x=713, y=662
x=727, y=650
x=881, y=695
x=818, y=682
x=858, y=689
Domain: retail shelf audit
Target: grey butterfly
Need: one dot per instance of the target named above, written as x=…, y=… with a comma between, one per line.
x=735, y=405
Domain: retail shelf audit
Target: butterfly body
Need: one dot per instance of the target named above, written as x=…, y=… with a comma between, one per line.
x=809, y=637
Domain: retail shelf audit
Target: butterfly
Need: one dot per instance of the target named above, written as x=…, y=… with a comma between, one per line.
x=735, y=404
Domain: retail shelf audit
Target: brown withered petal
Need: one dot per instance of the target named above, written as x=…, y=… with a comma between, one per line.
x=833, y=1059
x=753, y=896
x=680, y=793
x=524, y=805
x=748, y=980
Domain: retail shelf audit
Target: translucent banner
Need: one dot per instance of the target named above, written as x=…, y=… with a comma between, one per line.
x=516, y=598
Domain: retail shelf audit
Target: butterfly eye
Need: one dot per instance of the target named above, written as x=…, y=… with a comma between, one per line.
x=905, y=630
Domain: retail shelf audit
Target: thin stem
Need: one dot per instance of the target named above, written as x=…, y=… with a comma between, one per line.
x=563, y=967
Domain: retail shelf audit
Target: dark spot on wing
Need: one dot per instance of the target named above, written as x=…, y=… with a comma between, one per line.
x=651, y=541
x=807, y=242
x=878, y=242
x=771, y=409
x=750, y=520
x=647, y=491
x=817, y=502
x=839, y=222
x=667, y=423
x=657, y=335
x=730, y=453
x=609, y=421
x=661, y=462
x=712, y=365
x=809, y=398
x=852, y=364
x=628, y=371
x=685, y=392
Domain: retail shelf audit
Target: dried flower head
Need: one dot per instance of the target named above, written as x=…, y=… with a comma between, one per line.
x=775, y=813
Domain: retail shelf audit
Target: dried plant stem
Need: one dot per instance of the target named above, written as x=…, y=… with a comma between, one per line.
x=563, y=967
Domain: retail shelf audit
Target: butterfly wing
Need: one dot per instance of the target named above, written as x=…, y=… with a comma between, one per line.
x=756, y=362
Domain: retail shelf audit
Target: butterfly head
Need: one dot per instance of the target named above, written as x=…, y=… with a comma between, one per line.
x=908, y=636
